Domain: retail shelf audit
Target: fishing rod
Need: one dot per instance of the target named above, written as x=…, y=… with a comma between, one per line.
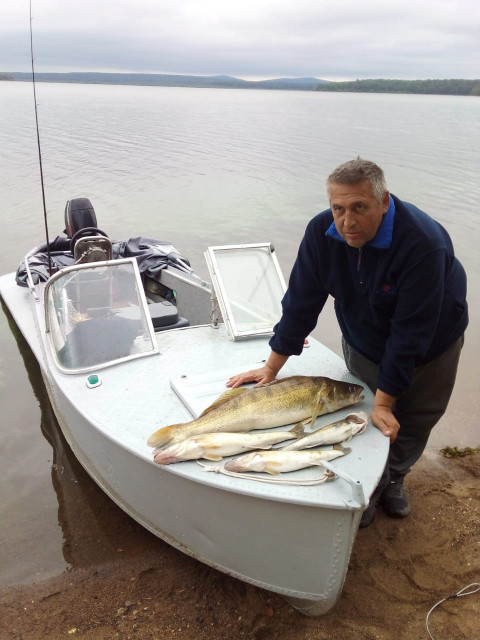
x=39, y=148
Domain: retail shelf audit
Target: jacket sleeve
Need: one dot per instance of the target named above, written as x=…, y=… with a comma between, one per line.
x=305, y=296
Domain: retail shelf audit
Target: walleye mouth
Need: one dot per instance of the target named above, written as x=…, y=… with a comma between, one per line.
x=356, y=391
x=358, y=418
x=354, y=418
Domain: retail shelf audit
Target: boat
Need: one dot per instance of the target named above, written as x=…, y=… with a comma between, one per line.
x=129, y=339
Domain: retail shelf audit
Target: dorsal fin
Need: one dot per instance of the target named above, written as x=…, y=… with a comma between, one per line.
x=226, y=395
x=270, y=384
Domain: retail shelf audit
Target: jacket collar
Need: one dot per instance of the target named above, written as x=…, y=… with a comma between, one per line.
x=383, y=237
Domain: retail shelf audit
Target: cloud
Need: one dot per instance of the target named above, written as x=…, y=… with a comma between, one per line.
x=247, y=38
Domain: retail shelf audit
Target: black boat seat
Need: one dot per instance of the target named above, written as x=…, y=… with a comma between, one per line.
x=164, y=315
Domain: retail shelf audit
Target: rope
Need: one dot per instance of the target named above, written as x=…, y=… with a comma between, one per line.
x=246, y=476
x=462, y=592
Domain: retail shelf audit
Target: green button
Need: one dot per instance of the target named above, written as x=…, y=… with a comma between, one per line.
x=93, y=381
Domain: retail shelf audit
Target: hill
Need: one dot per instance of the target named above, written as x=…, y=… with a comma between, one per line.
x=167, y=80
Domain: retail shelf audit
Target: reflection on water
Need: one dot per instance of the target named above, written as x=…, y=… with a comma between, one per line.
x=91, y=528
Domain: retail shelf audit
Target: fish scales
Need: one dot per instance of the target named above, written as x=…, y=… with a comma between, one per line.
x=275, y=404
x=281, y=461
x=333, y=433
x=215, y=446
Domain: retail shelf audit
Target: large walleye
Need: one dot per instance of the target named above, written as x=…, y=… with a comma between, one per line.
x=285, y=401
x=338, y=431
x=215, y=446
x=281, y=461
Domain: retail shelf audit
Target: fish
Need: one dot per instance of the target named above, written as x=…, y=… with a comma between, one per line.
x=339, y=431
x=275, y=404
x=215, y=446
x=281, y=461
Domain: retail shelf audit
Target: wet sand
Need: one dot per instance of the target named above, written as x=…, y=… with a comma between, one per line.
x=132, y=585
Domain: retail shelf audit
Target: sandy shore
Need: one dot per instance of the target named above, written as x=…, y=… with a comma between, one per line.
x=398, y=570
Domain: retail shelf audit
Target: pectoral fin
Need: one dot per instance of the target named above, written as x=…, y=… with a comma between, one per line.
x=212, y=457
x=272, y=471
x=318, y=406
x=298, y=430
x=344, y=450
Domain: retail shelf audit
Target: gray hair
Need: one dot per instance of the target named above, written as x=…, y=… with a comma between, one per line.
x=359, y=170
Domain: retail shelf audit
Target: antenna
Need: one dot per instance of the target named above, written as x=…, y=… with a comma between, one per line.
x=39, y=149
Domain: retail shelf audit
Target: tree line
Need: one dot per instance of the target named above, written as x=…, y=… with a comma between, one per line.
x=454, y=87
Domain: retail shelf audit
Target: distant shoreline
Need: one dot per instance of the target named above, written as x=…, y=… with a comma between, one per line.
x=166, y=80
x=456, y=87
x=452, y=87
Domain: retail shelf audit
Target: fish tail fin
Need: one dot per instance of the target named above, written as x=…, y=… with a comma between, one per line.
x=344, y=450
x=162, y=436
x=298, y=430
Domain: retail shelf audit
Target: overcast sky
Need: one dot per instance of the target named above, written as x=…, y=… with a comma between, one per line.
x=335, y=40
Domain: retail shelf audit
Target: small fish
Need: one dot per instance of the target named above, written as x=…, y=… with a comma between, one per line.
x=278, y=403
x=339, y=431
x=281, y=461
x=215, y=446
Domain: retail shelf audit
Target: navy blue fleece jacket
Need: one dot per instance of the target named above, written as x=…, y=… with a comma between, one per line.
x=400, y=300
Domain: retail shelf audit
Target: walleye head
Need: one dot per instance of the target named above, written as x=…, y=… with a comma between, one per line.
x=168, y=455
x=344, y=393
x=358, y=421
x=355, y=391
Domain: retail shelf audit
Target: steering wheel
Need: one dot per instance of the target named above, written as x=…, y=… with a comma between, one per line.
x=83, y=233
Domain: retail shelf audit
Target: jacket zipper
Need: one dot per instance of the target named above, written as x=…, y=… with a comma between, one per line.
x=359, y=262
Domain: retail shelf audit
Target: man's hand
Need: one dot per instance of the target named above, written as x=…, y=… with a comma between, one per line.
x=264, y=374
x=383, y=419
x=382, y=415
x=260, y=376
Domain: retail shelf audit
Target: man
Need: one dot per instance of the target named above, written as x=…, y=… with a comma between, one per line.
x=400, y=300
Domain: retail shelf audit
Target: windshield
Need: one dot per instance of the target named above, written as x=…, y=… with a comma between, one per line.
x=96, y=316
x=249, y=286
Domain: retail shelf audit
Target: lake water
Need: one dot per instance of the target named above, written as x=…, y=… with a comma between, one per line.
x=198, y=167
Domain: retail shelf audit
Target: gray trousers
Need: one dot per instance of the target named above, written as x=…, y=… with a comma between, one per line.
x=418, y=409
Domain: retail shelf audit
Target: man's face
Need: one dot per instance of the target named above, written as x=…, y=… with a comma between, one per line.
x=356, y=212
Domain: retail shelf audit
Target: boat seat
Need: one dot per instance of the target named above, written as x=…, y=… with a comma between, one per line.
x=164, y=316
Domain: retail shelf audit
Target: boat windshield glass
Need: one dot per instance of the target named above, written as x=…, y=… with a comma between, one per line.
x=249, y=285
x=97, y=316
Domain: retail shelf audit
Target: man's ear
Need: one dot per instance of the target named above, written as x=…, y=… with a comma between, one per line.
x=385, y=202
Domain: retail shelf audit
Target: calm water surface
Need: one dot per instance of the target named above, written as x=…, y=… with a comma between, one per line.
x=198, y=167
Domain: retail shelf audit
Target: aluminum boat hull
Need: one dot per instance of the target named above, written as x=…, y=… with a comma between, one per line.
x=291, y=540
